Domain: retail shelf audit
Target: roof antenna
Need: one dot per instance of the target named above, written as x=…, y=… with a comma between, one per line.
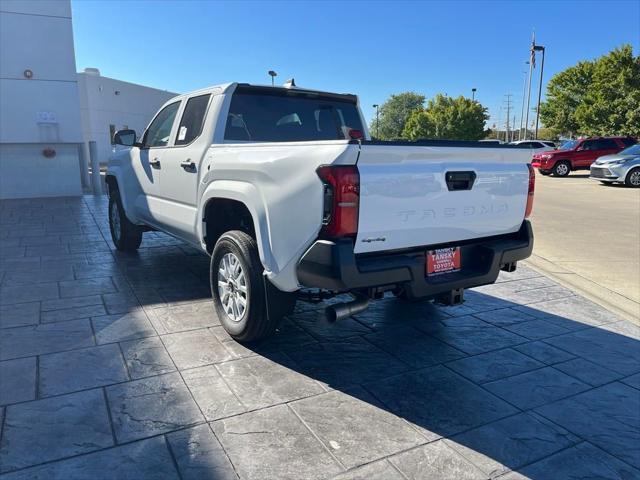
x=291, y=83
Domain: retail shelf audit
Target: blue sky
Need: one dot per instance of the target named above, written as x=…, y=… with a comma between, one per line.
x=372, y=49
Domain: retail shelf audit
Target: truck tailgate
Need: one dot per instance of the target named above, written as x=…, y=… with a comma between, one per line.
x=414, y=196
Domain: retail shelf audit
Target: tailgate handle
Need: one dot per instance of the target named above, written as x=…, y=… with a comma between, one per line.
x=460, y=180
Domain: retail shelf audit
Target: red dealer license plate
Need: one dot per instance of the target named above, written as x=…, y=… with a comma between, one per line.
x=443, y=260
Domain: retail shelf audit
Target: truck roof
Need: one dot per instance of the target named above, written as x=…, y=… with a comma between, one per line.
x=224, y=87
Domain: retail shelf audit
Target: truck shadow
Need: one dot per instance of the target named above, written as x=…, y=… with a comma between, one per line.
x=504, y=385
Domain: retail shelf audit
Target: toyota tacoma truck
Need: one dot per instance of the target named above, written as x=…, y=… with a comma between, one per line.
x=287, y=193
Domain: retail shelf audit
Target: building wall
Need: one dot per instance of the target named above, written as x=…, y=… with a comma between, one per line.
x=106, y=101
x=41, y=113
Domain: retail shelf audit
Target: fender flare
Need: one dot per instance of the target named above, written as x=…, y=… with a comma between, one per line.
x=116, y=173
x=249, y=195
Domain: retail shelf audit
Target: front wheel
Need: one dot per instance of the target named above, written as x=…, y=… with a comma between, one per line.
x=633, y=178
x=238, y=288
x=126, y=236
x=562, y=169
x=544, y=172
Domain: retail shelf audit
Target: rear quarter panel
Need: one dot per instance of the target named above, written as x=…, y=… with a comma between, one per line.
x=279, y=185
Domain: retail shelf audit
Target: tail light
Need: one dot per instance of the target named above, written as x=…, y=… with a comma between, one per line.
x=532, y=187
x=341, y=200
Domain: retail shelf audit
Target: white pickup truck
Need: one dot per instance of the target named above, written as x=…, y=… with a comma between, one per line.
x=285, y=190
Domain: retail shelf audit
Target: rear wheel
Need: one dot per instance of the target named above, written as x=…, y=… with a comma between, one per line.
x=633, y=178
x=126, y=236
x=238, y=288
x=562, y=169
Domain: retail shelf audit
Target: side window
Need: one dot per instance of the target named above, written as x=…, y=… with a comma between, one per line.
x=607, y=144
x=157, y=134
x=628, y=141
x=192, y=119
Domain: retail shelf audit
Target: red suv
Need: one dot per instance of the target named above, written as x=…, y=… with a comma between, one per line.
x=578, y=154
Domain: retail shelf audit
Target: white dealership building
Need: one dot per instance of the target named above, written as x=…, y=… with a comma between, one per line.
x=48, y=111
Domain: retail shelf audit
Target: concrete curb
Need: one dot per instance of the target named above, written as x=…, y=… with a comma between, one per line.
x=619, y=304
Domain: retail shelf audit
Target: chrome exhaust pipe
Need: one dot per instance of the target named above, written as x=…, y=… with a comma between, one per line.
x=343, y=310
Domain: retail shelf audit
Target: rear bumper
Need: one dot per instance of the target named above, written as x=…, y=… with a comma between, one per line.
x=334, y=266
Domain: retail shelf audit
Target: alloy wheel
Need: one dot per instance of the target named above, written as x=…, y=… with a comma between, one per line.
x=232, y=287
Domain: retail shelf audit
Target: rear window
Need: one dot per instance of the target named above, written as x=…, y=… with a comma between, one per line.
x=264, y=115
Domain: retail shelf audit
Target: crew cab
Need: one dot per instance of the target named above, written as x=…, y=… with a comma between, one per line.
x=578, y=154
x=285, y=191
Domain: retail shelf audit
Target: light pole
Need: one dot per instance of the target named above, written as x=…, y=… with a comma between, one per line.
x=539, y=48
x=473, y=94
x=532, y=65
x=524, y=93
x=375, y=105
x=273, y=76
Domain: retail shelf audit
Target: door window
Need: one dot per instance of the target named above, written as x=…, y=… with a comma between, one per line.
x=192, y=119
x=589, y=145
x=158, y=133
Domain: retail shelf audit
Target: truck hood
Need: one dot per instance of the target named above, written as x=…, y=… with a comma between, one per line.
x=550, y=153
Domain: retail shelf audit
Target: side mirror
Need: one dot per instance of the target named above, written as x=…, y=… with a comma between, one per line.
x=125, y=137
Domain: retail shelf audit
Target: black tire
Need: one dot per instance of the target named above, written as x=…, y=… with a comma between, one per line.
x=562, y=168
x=253, y=323
x=633, y=178
x=126, y=236
x=544, y=172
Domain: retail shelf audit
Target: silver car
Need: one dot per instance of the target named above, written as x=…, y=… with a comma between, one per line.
x=621, y=167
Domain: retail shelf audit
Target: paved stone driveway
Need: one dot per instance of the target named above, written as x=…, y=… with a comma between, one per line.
x=115, y=366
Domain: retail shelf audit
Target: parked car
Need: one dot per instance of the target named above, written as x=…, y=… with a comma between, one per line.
x=537, y=146
x=623, y=167
x=283, y=188
x=578, y=154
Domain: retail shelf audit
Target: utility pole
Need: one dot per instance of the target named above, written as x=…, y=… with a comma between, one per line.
x=524, y=94
x=532, y=65
x=508, y=105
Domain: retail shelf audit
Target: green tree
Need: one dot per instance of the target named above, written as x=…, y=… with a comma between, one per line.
x=600, y=97
x=394, y=114
x=565, y=92
x=448, y=118
x=609, y=105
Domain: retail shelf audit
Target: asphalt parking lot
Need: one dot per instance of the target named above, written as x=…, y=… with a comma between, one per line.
x=586, y=235
x=115, y=366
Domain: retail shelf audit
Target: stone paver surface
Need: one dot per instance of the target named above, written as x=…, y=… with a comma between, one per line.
x=115, y=366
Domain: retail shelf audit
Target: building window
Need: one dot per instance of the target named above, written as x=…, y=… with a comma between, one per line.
x=112, y=132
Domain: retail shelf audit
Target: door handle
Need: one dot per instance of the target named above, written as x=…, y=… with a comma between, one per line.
x=460, y=180
x=155, y=162
x=188, y=164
